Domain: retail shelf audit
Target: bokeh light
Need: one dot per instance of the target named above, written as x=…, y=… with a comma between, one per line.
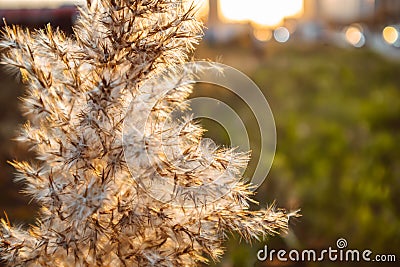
x=281, y=35
x=390, y=34
x=262, y=35
x=355, y=36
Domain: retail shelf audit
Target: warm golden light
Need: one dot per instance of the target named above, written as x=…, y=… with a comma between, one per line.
x=390, y=34
x=262, y=35
x=201, y=7
x=355, y=36
x=262, y=12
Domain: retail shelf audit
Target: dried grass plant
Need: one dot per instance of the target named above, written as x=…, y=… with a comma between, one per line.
x=93, y=210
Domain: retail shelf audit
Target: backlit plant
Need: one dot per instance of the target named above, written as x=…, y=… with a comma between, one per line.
x=94, y=209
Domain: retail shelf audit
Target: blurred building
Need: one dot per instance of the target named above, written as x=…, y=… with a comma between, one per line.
x=312, y=10
x=62, y=17
x=213, y=13
x=342, y=12
x=338, y=11
x=387, y=12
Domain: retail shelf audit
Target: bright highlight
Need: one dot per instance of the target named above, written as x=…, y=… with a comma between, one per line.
x=262, y=12
x=390, y=34
x=281, y=35
x=262, y=35
x=355, y=36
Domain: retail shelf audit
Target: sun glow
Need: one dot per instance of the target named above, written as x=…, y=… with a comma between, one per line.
x=262, y=12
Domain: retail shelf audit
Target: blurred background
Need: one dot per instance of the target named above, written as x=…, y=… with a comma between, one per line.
x=330, y=70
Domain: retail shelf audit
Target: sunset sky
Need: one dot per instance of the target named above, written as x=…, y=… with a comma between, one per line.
x=263, y=12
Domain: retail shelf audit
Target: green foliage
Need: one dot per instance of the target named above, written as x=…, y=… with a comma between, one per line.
x=338, y=121
x=337, y=114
